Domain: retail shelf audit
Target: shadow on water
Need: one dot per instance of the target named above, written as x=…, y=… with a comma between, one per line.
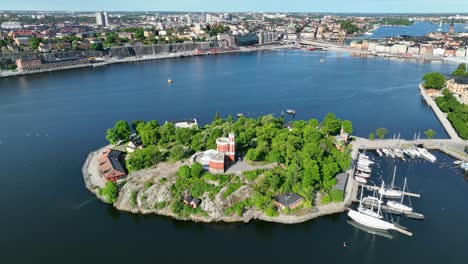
x=113, y=212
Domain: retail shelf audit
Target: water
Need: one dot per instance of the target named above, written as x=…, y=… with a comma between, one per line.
x=49, y=123
x=417, y=29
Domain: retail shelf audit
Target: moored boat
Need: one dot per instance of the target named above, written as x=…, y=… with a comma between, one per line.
x=360, y=180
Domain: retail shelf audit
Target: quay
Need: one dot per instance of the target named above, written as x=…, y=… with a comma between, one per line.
x=161, y=56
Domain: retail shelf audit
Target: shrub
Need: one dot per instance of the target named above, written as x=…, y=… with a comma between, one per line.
x=231, y=188
x=326, y=199
x=110, y=192
x=336, y=195
x=148, y=184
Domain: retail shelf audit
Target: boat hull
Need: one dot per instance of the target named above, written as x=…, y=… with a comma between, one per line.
x=369, y=221
x=399, y=206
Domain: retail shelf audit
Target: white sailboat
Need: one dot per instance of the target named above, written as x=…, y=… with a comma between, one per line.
x=399, y=205
x=390, y=192
x=379, y=152
x=426, y=154
x=372, y=220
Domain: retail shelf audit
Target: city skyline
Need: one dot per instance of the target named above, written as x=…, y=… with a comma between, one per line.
x=335, y=6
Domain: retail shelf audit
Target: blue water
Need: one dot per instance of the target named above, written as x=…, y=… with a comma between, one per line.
x=49, y=122
x=417, y=29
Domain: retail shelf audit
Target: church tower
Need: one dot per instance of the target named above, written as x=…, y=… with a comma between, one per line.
x=452, y=28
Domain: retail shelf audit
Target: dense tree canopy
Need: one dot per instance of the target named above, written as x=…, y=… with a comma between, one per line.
x=434, y=80
x=120, y=131
x=460, y=71
x=149, y=132
x=143, y=158
x=457, y=112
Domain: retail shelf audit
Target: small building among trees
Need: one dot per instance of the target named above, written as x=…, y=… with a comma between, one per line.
x=288, y=200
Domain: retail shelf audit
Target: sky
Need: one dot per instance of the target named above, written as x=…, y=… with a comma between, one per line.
x=332, y=6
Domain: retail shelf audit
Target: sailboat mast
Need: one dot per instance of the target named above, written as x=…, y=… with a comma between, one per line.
x=393, y=179
x=380, y=199
x=403, y=193
x=360, y=200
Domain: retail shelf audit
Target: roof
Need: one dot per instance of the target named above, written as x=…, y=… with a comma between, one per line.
x=196, y=201
x=288, y=199
x=461, y=80
x=187, y=197
x=62, y=59
x=110, y=165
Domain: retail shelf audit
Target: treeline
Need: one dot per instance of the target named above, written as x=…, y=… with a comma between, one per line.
x=395, y=22
x=457, y=112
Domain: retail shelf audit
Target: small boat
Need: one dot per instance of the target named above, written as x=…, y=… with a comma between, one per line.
x=312, y=49
x=379, y=152
x=364, y=169
x=464, y=166
x=365, y=161
x=457, y=162
x=362, y=175
x=426, y=154
x=239, y=114
x=363, y=155
x=169, y=81
x=291, y=111
x=322, y=61
x=360, y=180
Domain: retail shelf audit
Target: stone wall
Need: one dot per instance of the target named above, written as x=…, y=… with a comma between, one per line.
x=158, y=48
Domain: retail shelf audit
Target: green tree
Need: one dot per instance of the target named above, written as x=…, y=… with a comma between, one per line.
x=347, y=126
x=167, y=132
x=217, y=116
x=135, y=124
x=148, y=132
x=34, y=43
x=96, y=46
x=434, y=80
x=184, y=171
x=196, y=170
x=110, y=192
x=143, y=158
x=381, y=132
x=331, y=124
x=121, y=131
x=371, y=136
x=177, y=152
x=430, y=133
x=460, y=71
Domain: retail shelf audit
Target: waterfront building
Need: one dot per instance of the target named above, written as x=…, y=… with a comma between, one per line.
x=134, y=143
x=28, y=64
x=413, y=50
x=438, y=52
x=449, y=52
x=54, y=63
x=461, y=52
x=288, y=200
x=110, y=165
x=190, y=123
x=398, y=49
x=227, y=39
x=426, y=49
x=459, y=86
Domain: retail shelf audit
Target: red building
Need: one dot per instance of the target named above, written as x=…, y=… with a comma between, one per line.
x=226, y=148
x=110, y=166
x=29, y=64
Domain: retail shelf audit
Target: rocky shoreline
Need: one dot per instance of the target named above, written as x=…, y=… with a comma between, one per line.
x=138, y=197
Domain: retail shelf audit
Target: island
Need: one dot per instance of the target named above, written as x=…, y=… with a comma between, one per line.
x=230, y=170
